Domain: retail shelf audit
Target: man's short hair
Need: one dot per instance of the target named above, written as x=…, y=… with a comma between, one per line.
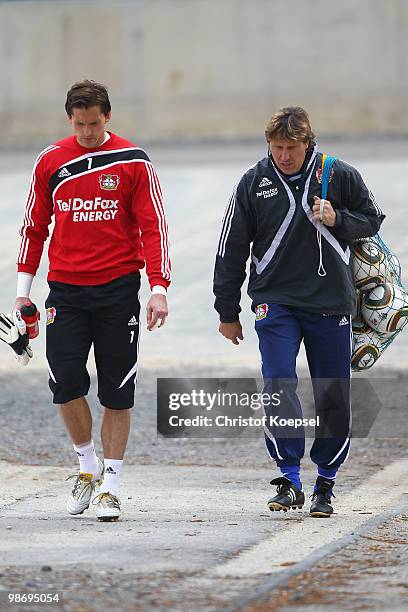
x=292, y=123
x=85, y=94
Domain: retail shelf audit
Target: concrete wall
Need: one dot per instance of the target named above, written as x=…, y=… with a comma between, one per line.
x=205, y=68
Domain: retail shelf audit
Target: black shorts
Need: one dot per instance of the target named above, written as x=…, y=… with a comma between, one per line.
x=106, y=316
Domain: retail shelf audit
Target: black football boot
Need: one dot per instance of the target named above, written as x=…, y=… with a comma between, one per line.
x=288, y=496
x=321, y=498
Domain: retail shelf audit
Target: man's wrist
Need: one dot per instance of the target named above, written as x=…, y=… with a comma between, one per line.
x=159, y=290
x=24, y=282
x=233, y=319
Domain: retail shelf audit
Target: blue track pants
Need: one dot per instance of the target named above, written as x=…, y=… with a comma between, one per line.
x=327, y=340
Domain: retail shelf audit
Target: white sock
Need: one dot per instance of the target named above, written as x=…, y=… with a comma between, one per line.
x=113, y=468
x=88, y=461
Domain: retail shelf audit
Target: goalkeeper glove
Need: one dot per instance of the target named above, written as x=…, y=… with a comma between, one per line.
x=13, y=333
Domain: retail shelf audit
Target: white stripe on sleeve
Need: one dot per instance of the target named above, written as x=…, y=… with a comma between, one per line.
x=28, y=220
x=156, y=198
x=226, y=223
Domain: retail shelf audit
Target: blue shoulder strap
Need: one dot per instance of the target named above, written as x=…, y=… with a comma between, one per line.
x=327, y=165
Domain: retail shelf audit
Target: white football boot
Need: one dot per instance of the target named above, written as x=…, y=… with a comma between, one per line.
x=107, y=507
x=83, y=490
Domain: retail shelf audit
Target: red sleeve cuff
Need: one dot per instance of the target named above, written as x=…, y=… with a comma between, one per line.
x=27, y=268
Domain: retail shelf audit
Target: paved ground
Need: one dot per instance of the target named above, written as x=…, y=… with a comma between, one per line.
x=370, y=574
x=191, y=537
x=196, y=531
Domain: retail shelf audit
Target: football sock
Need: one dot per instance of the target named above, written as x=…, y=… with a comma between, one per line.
x=293, y=473
x=326, y=473
x=88, y=461
x=110, y=484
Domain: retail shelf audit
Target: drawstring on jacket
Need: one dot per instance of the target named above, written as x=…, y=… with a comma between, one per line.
x=320, y=271
x=327, y=165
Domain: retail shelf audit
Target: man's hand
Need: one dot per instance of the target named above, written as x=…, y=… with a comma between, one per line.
x=231, y=331
x=323, y=211
x=156, y=311
x=19, y=302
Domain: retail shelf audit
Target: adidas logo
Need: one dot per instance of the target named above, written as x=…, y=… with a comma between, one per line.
x=110, y=470
x=63, y=172
x=133, y=321
x=344, y=321
x=265, y=182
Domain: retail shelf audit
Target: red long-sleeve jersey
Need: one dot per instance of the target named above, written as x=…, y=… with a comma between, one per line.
x=108, y=210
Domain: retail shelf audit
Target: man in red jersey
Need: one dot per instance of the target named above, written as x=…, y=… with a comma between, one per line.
x=109, y=222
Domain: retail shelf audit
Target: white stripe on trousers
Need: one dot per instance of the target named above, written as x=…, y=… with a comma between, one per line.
x=347, y=440
x=272, y=439
x=133, y=369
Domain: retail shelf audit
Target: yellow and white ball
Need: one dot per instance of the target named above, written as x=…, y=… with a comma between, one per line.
x=394, y=269
x=366, y=350
x=385, y=308
x=369, y=264
x=360, y=326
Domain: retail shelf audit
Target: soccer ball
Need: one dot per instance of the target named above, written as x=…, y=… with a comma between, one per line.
x=366, y=350
x=394, y=268
x=385, y=308
x=360, y=326
x=369, y=264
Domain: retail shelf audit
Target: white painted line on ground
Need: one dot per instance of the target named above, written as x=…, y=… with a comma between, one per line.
x=295, y=541
x=164, y=506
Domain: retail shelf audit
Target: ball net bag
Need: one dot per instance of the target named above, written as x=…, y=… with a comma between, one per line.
x=382, y=300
